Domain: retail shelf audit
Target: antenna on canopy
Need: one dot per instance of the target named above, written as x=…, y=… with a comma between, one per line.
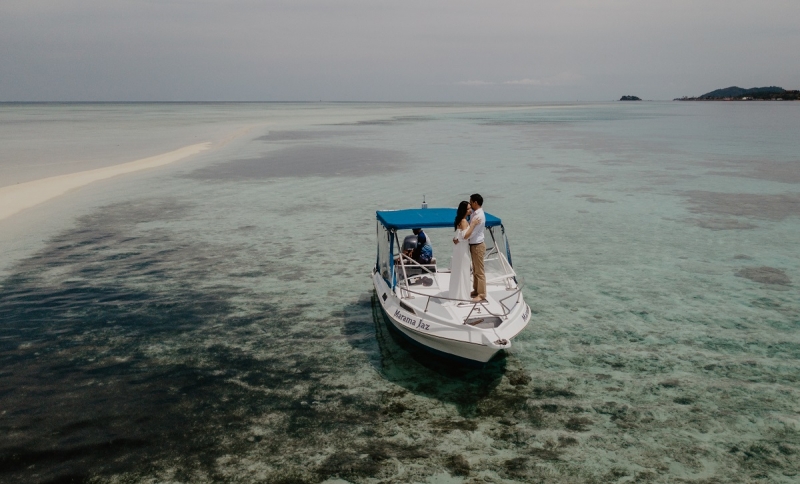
x=424, y=205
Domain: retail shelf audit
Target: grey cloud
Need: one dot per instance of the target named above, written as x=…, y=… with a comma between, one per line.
x=400, y=51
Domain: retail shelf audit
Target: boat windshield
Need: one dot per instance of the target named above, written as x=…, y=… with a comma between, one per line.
x=498, y=261
x=384, y=261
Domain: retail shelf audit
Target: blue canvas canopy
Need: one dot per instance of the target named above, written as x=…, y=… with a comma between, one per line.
x=424, y=218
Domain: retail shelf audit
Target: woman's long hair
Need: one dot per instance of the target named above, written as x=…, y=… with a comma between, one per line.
x=461, y=213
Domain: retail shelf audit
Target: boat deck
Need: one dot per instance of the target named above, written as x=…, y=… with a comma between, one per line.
x=429, y=295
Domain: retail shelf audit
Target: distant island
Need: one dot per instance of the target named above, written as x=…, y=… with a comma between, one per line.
x=630, y=98
x=735, y=93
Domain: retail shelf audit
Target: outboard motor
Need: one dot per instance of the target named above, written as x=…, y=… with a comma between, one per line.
x=410, y=242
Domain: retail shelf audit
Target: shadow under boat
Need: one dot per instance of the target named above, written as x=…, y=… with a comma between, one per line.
x=418, y=370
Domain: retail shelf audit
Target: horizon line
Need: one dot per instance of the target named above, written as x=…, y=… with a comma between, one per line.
x=318, y=102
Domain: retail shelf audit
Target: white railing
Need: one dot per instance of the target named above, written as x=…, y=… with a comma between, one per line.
x=506, y=310
x=507, y=276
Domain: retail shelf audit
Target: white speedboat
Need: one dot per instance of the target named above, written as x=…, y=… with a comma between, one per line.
x=415, y=297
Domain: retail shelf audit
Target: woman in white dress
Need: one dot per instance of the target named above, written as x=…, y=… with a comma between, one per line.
x=460, y=280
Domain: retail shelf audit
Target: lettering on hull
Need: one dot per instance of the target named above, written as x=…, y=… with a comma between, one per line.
x=410, y=321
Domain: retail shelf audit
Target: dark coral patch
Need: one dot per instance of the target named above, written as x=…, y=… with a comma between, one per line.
x=458, y=465
x=517, y=378
x=765, y=275
x=552, y=392
x=770, y=207
x=671, y=383
x=723, y=224
x=578, y=424
x=349, y=465
x=452, y=424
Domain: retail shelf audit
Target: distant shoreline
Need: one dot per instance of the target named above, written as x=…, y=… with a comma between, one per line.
x=736, y=93
x=729, y=99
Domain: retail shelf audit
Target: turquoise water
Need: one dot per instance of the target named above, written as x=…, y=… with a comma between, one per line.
x=213, y=320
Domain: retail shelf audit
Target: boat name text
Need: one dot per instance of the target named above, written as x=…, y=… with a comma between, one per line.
x=412, y=322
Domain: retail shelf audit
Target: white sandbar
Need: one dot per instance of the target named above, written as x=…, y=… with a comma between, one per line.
x=15, y=198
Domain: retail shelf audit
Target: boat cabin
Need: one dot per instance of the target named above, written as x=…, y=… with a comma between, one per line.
x=421, y=284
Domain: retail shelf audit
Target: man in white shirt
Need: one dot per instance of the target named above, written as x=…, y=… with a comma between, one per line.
x=477, y=249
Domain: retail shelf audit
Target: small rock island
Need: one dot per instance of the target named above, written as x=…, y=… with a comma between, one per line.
x=630, y=98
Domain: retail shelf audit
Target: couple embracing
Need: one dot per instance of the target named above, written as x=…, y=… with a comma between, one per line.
x=469, y=250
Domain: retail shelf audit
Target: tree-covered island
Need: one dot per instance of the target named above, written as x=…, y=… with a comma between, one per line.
x=735, y=93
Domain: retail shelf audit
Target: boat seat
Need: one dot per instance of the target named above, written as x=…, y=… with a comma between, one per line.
x=484, y=322
x=414, y=269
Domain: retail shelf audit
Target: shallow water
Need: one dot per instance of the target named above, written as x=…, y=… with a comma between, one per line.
x=214, y=321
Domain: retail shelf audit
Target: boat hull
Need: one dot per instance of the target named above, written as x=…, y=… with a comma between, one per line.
x=442, y=351
x=423, y=335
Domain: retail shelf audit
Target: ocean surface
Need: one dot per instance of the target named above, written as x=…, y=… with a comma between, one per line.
x=213, y=320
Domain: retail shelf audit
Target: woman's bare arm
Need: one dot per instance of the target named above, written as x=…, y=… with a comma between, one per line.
x=475, y=221
x=462, y=225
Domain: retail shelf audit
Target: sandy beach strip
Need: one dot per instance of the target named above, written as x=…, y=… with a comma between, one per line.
x=15, y=198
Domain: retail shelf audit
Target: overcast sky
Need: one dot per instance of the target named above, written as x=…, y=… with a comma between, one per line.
x=409, y=50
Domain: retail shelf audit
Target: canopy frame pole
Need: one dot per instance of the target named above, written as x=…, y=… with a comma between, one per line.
x=403, y=266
